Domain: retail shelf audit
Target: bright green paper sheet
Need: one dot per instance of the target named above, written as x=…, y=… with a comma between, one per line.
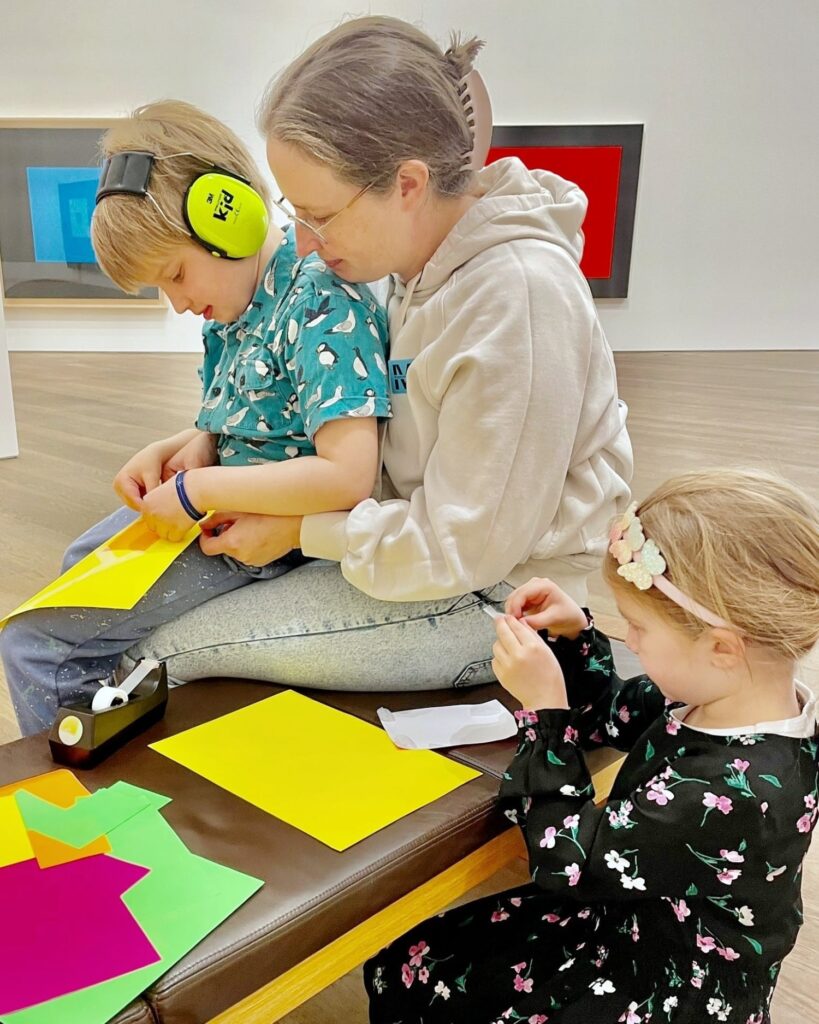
x=180, y=902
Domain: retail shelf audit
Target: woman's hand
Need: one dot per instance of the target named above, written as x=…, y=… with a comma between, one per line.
x=543, y=605
x=198, y=452
x=526, y=667
x=140, y=475
x=248, y=537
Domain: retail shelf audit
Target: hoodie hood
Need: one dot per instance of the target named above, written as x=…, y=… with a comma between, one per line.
x=515, y=203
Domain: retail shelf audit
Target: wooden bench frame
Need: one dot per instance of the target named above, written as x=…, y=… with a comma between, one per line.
x=282, y=995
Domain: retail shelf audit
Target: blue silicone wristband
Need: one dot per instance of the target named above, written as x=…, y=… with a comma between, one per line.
x=184, y=500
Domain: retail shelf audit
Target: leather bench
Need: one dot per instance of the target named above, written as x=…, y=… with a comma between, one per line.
x=320, y=912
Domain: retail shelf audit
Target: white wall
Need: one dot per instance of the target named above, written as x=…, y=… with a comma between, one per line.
x=728, y=203
x=8, y=430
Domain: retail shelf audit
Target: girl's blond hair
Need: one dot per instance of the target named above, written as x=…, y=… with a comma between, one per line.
x=373, y=93
x=742, y=543
x=131, y=238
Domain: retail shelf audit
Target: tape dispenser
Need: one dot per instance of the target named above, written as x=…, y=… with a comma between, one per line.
x=86, y=733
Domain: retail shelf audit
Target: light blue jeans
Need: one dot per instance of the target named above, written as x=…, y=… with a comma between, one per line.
x=303, y=626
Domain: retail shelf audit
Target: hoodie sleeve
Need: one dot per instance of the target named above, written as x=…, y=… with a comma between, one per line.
x=508, y=374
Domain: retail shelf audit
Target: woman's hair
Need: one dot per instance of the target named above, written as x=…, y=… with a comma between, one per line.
x=742, y=543
x=373, y=93
x=130, y=236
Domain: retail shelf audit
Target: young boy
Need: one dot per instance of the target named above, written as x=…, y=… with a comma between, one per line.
x=294, y=382
x=294, y=358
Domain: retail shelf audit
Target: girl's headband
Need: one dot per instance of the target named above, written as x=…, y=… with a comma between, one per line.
x=642, y=564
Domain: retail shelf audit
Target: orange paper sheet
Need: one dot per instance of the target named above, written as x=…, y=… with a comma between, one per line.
x=60, y=788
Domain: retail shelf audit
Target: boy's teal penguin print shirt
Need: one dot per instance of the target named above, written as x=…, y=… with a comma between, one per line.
x=310, y=348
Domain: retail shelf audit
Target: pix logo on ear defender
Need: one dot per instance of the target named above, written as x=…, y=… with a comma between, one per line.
x=222, y=211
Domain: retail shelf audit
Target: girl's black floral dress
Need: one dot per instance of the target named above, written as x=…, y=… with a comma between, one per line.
x=675, y=901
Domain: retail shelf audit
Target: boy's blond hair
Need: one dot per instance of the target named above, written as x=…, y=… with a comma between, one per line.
x=130, y=236
x=742, y=543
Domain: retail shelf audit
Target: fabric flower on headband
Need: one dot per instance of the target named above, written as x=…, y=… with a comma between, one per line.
x=627, y=535
x=642, y=573
x=641, y=563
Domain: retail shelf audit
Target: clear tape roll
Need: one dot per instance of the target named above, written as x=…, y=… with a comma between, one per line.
x=108, y=697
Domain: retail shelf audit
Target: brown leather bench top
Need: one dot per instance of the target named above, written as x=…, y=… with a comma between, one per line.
x=312, y=894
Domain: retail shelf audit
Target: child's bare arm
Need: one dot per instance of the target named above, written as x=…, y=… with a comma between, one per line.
x=338, y=476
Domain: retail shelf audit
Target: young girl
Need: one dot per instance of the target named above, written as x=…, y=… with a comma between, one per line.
x=678, y=899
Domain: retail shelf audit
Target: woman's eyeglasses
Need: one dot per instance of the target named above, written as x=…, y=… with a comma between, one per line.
x=317, y=228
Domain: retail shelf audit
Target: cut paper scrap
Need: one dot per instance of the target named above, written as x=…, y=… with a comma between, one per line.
x=457, y=725
x=90, y=818
x=76, y=911
x=181, y=900
x=18, y=843
x=115, y=575
x=50, y=852
x=60, y=787
x=322, y=771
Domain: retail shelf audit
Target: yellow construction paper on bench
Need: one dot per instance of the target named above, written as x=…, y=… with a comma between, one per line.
x=325, y=772
x=15, y=844
x=115, y=575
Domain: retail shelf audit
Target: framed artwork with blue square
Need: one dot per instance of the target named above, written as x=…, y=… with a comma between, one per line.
x=49, y=171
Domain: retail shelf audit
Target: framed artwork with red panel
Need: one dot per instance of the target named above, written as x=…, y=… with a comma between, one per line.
x=604, y=160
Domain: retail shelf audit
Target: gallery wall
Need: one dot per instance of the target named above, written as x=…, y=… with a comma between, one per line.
x=727, y=206
x=8, y=430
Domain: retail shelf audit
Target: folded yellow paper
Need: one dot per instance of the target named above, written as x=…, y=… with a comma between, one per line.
x=115, y=575
x=325, y=772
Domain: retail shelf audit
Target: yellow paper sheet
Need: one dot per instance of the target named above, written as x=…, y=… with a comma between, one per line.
x=325, y=772
x=116, y=575
x=14, y=842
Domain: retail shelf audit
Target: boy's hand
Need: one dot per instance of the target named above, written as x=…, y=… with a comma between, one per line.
x=543, y=605
x=163, y=513
x=526, y=667
x=140, y=474
x=200, y=451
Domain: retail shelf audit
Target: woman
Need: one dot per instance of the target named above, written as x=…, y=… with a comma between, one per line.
x=507, y=455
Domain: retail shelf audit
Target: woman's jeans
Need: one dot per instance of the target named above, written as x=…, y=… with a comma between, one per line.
x=293, y=623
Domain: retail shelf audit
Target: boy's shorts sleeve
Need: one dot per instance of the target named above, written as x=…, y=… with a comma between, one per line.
x=340, y=357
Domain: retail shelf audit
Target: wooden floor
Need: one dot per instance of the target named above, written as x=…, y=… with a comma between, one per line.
x=81, y=416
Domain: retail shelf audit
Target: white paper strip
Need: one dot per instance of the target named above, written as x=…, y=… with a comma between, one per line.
x=429, y=728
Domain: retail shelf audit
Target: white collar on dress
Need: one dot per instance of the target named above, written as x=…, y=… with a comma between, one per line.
x=801, y=727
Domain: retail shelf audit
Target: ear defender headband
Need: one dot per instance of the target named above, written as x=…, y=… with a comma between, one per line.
x=222, y=211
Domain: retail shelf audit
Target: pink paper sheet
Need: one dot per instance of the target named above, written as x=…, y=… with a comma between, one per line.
x=66, y=927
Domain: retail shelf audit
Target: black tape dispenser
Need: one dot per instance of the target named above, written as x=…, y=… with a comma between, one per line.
x=86, y=733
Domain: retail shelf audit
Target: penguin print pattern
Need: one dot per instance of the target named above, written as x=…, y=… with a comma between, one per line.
x=273, y=378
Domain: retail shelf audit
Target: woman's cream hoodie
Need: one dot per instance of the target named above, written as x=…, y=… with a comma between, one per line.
x=507, y=455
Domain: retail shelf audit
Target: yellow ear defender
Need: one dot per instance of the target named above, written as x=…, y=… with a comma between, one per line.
x=222, y=211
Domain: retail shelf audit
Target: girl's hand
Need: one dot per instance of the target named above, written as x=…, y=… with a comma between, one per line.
x=249, y=537
x=198, y=452
x=140, y=475
x=163, y=512
x=543, y=605
x=526, y=667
